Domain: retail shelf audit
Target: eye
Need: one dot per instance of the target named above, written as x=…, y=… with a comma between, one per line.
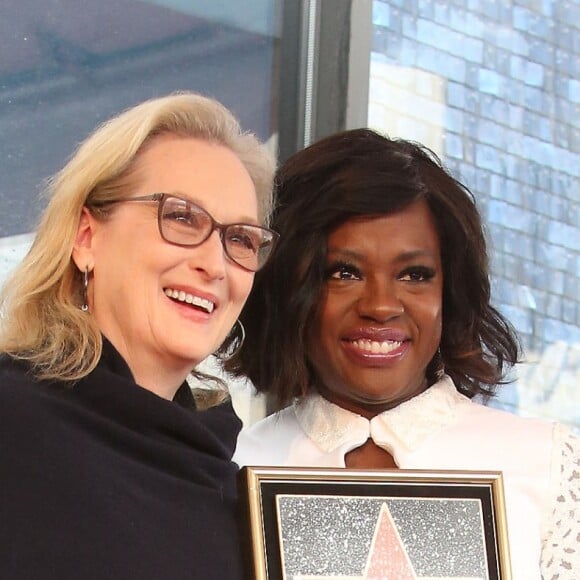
x=343, y=271
x=182, y=215
x=417, y=274
x=243, y=238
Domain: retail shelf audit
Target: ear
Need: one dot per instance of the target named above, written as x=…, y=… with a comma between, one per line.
x=82, y=253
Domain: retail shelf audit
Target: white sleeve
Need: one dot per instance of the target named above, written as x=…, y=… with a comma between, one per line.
x=561, y=538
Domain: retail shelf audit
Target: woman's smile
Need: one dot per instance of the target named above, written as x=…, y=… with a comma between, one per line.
x=375, y=353
x=192, y=299
x=375, y=346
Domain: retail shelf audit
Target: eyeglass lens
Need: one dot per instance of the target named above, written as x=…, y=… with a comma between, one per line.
x=184, y=223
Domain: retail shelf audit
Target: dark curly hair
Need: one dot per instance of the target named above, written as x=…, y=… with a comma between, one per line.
x=361, y=173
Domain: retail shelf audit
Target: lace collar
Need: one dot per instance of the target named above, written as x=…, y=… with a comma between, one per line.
x=402, y=428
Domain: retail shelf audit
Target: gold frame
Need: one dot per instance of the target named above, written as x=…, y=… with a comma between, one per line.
x=252, y=481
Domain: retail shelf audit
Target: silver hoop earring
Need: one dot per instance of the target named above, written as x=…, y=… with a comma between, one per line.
x=85, y=304
x=232, y=344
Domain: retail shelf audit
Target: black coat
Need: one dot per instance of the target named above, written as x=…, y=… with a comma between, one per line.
x=106, y=480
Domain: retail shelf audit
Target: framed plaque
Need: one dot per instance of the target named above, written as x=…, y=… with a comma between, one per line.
x=343, y=524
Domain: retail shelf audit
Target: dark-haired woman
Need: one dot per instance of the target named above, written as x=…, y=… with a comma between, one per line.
x=373, y=323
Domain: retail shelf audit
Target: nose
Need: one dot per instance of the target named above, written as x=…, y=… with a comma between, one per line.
x=209, y=257
x=380, y=300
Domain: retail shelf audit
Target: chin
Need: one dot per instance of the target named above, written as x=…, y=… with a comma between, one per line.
x=194, y=346
x=374, y=403
x=188, y=357
x=381, y=401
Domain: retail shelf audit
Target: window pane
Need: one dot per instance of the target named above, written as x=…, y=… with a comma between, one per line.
x=67, y=65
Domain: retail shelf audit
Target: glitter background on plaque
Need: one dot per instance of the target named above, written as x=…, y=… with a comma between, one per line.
x=325, y=536
x=443, y=537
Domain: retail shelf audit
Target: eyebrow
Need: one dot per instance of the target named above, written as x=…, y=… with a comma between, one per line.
x=185, y=197
x=344, y=253
x=404, y=257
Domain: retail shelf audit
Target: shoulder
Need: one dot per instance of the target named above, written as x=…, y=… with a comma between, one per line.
x=443, y=412
x=499, y=423
x=482, y=436
x=531, y=443
x=27, y=408
x=11, y=367
x=262, y=442
x=16, y=381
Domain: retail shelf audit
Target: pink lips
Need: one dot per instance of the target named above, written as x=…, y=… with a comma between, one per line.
x=376, y=347
x=377, y=334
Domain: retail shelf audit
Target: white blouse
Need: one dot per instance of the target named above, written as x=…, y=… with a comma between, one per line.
x=443, y=429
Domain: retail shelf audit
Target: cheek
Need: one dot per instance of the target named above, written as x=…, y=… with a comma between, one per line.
x=331, y=310
x=432, y=318
x=241, y=283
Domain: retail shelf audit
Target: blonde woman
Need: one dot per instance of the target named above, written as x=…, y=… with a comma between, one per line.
x=141, y=264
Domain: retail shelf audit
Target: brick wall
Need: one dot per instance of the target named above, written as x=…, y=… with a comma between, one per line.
x=491, y=87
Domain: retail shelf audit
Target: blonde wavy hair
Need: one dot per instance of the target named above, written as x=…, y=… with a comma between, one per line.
x=42, y=322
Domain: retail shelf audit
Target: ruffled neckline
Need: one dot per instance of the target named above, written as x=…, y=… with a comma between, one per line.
x=397, y=430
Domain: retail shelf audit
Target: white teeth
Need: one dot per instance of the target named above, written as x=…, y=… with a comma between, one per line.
x=375, y=347
x=182, y=296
